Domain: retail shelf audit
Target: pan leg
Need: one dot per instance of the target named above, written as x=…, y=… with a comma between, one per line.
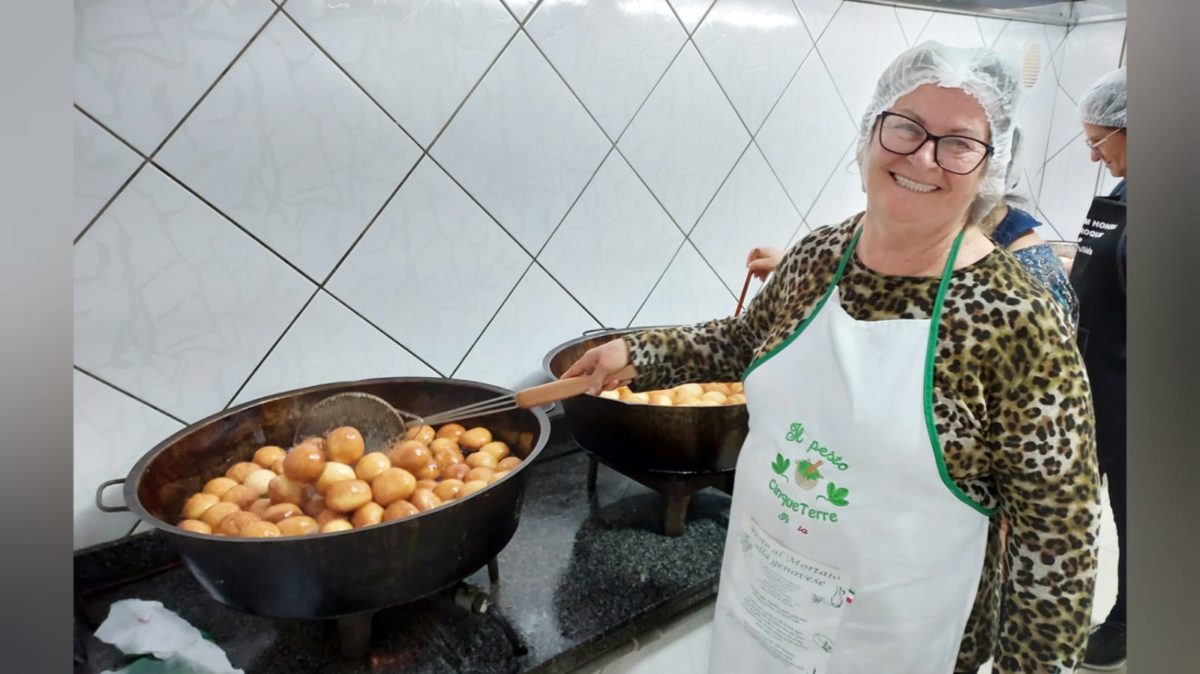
x=675, y=515
x=493, y=571
x=593, y=469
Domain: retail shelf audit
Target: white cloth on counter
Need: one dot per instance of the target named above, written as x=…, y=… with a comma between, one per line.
x=140, y=627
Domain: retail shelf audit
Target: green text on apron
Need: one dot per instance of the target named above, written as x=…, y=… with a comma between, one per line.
x=849, y=549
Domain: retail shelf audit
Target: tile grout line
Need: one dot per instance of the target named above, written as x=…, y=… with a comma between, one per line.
x=617, y=149
x=754, y=139
x=348, y=76
x=720, y=87
x=491, y=320
x=571, y=208
x=813, y=51
x=1037, y=196
x=656, y=284
x=520, y=245
x=379, y=213
x=662, y=76
x=471, y=91
x=709, y=264
x=854, y=119
x=778, y=179
x=104, y=207
x=903, y=33
x=687, y=236
x=479, y=204
x=829, y=180
x=286, y=330
x=235, y=223
x=570, y=294
x=385, y=333
x=215, y=82
x=567, y=84
x=425, y=154
x=112, y=133
x=149, y=158
x=122, y=391
x=808, y=28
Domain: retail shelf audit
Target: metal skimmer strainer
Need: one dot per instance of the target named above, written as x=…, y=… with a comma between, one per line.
x=381, y=425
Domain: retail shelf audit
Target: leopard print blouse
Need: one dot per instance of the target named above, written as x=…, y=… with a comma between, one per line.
x=1012, y=408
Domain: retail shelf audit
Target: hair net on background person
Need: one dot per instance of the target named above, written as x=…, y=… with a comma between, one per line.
x=982, y=73
x=1104, y=103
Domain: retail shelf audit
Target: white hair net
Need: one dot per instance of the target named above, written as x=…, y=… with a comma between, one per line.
x=1104, y=103
x=992, y=80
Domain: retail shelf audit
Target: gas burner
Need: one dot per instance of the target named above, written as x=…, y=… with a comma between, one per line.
x=354, y=631
x=675, y=487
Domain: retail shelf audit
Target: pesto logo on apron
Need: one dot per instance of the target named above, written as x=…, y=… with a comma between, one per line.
x=804, y=471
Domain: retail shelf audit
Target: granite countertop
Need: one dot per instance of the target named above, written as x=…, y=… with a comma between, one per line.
x=583, y=574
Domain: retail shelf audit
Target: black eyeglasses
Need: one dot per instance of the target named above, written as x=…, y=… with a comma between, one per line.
x=902, y=135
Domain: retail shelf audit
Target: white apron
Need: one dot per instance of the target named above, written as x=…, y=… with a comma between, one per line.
x=849, y=549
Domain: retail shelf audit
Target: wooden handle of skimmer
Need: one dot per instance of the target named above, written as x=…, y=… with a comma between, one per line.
x=562, y=389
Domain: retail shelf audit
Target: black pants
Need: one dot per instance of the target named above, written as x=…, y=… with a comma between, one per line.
x=1112, y=466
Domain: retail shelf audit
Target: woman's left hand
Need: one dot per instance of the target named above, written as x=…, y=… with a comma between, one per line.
x=762, y=261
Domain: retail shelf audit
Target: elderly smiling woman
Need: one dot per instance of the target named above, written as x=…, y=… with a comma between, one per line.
x=947, y=385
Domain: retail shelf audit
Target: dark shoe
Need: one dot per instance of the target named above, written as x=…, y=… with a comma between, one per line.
x=1106, y=647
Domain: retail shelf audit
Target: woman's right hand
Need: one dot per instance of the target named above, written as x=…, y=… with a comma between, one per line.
x=762, y=261
x=600, y=363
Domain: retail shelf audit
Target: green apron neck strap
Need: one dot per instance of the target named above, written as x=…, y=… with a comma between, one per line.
x=947, y=271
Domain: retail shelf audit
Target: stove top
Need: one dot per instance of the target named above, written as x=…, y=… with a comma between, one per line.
x=585, y=573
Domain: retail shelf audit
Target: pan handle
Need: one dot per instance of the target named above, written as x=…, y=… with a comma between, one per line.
x=100, y=497
x=593, y=331
x=562, y=389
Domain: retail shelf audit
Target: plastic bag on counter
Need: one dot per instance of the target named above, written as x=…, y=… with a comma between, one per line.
x=140, y=627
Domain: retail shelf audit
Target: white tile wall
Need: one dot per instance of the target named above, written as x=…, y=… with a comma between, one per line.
x=610, y=56
x=817, y=14
x=288, y=147
x=1089, y=52
x=432, y=270
x=102, y=165
x=303, y=133
x=511, y=350
x=141, y=64
x=842, y=196
x=912, y=22
x=523, y=145
x=805, y=135
x=991, y=29
x=112, y=431
x=688, y=293
x=754, y=47
x=417, y=59
x=613, y=245
x=750, y=210
x=953, y=29
x=328, y=342
x=520, y=8
x=1068, y=186
x=685, y=139
x=690, y=11
x=173, y=303
x=859, y=43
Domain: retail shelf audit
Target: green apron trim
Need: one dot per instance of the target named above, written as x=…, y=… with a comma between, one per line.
x=837, y=276
x=930, y=353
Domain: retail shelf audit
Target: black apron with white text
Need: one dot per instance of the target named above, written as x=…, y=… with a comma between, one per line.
x=1098, y=276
